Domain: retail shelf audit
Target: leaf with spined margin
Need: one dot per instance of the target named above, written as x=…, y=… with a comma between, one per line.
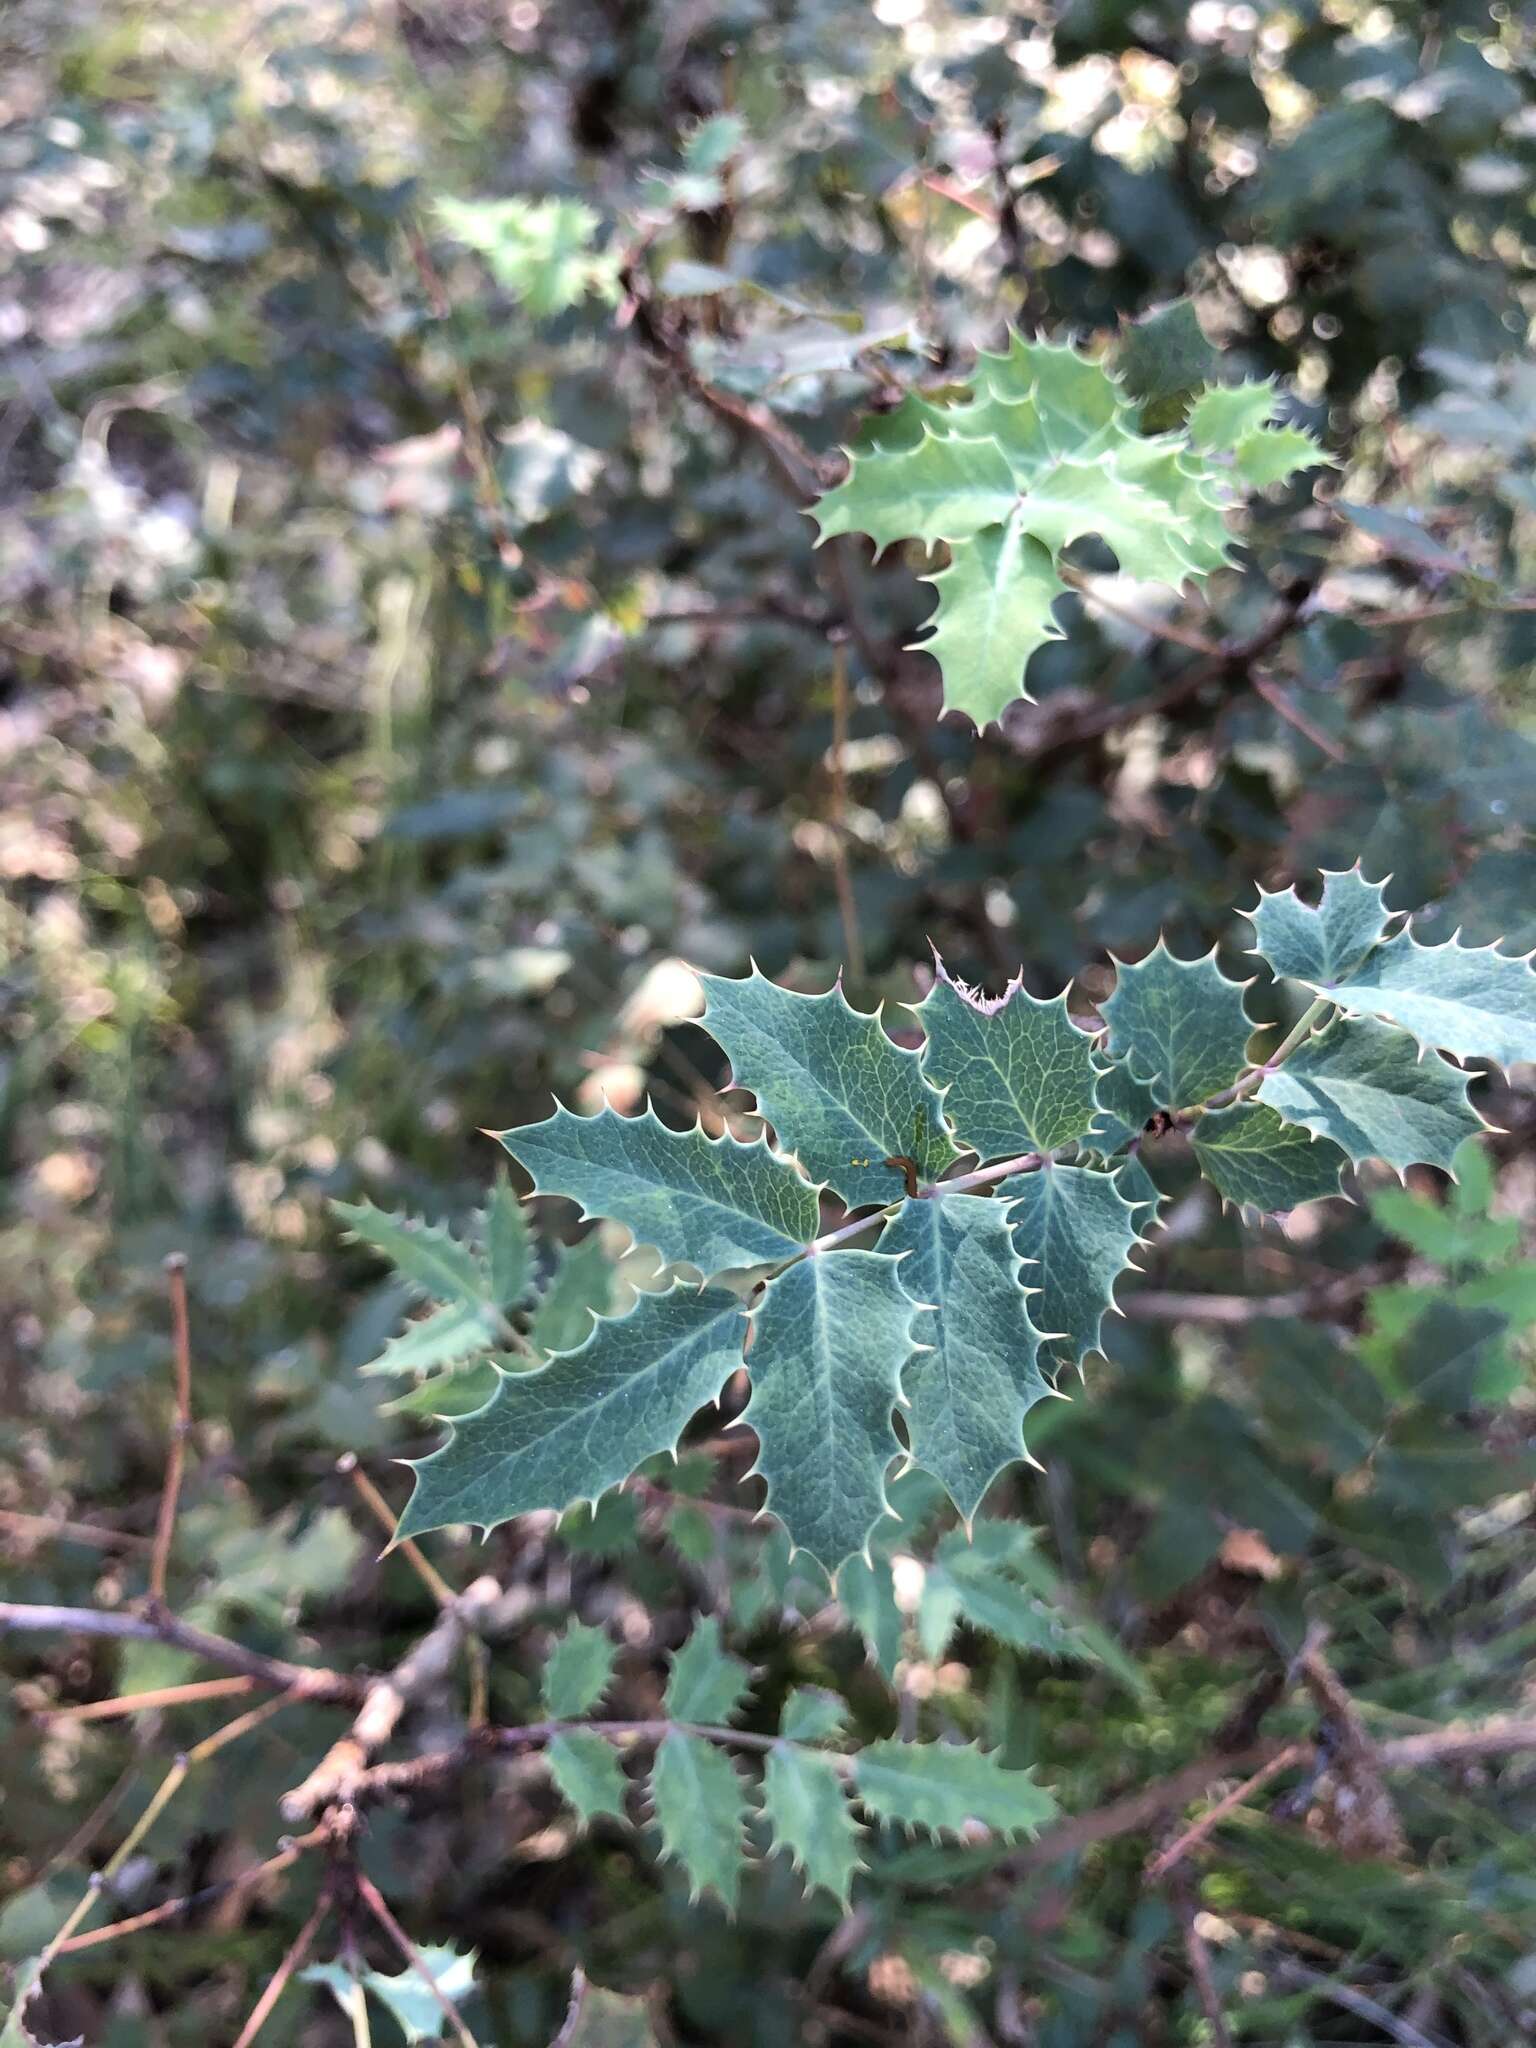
x=707, y=1684
x=1125, y=1107
x=714, y=1203
x=700, y=1804
x=579, y=1425
x=973, y=1376
x=1179, y=1025
x=940, y=489
x=428, y=1255
x=1473, y=1001
x=1256, y=1162
x=1322, y=944
x=579, y=1289
x=1077, y=1230
x=830, y=1337
x=842, y=1096
x=811, y=1714
x=944, y=1787
x=807, y=1813
x=996, y=606
x=578, y=1670
x=587, y=1774
x=1017, y=1073
x=1224, y=413
x=1369, y=1088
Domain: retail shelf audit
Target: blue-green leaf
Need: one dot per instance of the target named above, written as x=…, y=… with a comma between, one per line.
x=579, y=1670
x=587, y=1774
x=807, y=1813
x=1320, y=945
x=707, y=1683
x=1372, y=1090
x=1257, y=1162
x=1076, y=1230
x=1017, y=1073
x=1180, y=1025
x=699, y=1804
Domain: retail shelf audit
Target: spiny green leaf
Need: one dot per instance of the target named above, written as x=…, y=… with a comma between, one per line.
x=580, y=1288
x=1369, y=1088
x=995, y=607
x=1125, y=1107
x=699, y=1804
x=575, y=1427
x=866, y=1594
x=1473, y=1001
x=1161, y=359
x=1269, y=455
x=1320, y=945
x=939, y=490
x=1017, y=1073
x=409, y=2001
x=973, y=1377
x=449, y=1335
x=707, y=1684
x=605, y=2019
x=811, y=1714
x=1180, y=1025
x=841, y=1095
x=1257, y=1162
x=578, y=1672
x=966, y=1583
x=587, y=1774
x=540, y=249
x=829, y=1339
x=1076, y=1229
x=450, y=1394
x=949, y=1787
x=508, y=1244
x=426, y=1254
x=808, y=1817
x=714, y=1203
x=1222, y=415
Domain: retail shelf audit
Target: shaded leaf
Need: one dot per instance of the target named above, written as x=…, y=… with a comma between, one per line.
x=1369, y=1088
x=945, y=1788
x=700, y=1806
x=1257, y=1162
x=1179, y=1025
x=807, y=1813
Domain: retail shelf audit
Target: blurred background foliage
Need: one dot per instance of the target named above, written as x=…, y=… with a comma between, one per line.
x=409, y=659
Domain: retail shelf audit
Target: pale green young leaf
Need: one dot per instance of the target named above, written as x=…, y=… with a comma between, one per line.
x=1269, y=455
x=446, y=1336
x=579, y=1288
x=944, y=1788
x=579, y=1670
x=571, y=1429
x=707, y=1684
x=1473, y=1001
x=807, y=1813
x=451, y=1394
x=842, y=1096
x=587, y=1775
x=1075, y=1230
x=1320, y=945
x=539, y=249
x=1370, y=1088
x=811, y=1713
x=508, y=1244
x=996, y=599
x=404, y=1995
x=830, y=1337
x=1017, y=1073
x=1256, y=1162
x=973, y=1375
x=1179, y=1025
x=1224, y=413
x=937, y=490
x=699, y=1805
x=714, y=1203
x=428, y=1255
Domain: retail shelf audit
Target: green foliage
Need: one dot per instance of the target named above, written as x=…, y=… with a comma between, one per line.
x=409, y=2002
x=578, y=1671
x=944, y=1787
x=699, y=1805
x=1017, y=1074
x=808, y=1818
x=707, y=1683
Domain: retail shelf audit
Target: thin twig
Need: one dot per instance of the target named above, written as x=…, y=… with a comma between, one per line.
x=284, y=1972
x=1197, y=1953
x=1191, y=1838
x=1153, y=628
x=49, y=1527
x=174, y=1909
x=373, y=1899
x=144, y=1702
x=158, y=1625
x=181, y=1426
x=387, y=1520
x=1280, y=702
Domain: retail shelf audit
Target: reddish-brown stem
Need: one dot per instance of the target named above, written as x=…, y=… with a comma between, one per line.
x=262, y=2011
x=181, y=1426
x=373, y=1899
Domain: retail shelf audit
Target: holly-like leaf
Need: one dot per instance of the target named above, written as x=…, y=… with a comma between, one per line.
x=1125, y=1107
x=946, y=1788
x=582, y=1423
x=1320, y=945
x=587, y=1774
x=578, y=1671
x=508, y=1244
x=843, y=1097
x=1270, y=455
x=714, y=1203
x=448, y=1336
x=707, y=1683
x=409, y=2001
x=811, y=1714
x=807, y=1813
x=1222, y=415
x=996, y=606
x=605, y=2019
x=1256, y=1162
x=1076, y=1229
x=699, y=1804
x=539, y=249
x=1179, y=1025
x=1369, y=1088
x=829, y=1339
x=1162, y=358
x=936, y=490
x=428, y=1255
x=1017, y=1073
x=973, y=1376
x=579, y=1289
x=1473, y=1001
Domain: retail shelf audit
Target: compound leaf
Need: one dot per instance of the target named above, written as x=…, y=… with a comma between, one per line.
x=573, y=1428
x=946, y=1787
x=1180, y=1025
x=714, y=1203
x=973, y=1376
x=1369, y=1088
x=699, y=1804
x=807, y=1813
x=843, y=1097
x=830, y=1337
x=1017, y=1073
x=1076, y=1230
x=428, y=1255
x=1256, y=1162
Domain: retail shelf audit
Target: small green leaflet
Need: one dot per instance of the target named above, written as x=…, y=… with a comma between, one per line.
x=1017, y=1074
x=842, y=1096
x=973, y=1377
x=1369, y=1088
x=829, y=1339
x=605, y=2019
x=808, y=1817
x=538, y=249
x=1256, y=1162
x=1224, y=413
x=582, y=1423
x=428, y=1255
x=713, y=1203
x=707, y=1683
x=699, y=1803
x=409, y=2002
x=1076, y=1229
x=811, y=1714
x=946, y=1788
x=587, y=1774
x=1179, y=1025
x=1473, y=1001
x=578, y=1672
x=1320, y=945
x=475, y=1288
x=1125, y=1107
x=580, y=1288
x=1049, y=448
